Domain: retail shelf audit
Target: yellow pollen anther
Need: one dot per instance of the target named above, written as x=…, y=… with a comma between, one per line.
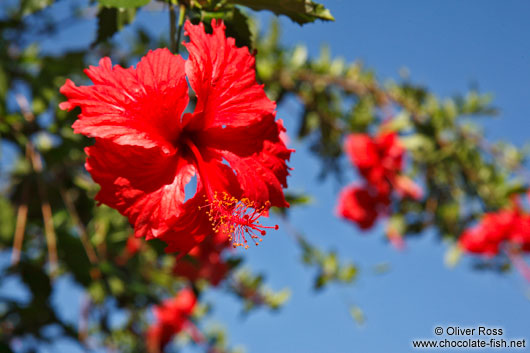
x=237, y=218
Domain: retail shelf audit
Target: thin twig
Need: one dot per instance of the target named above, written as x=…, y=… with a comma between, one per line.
x=36, y=163
x=22, y=217
x=47, y=215
x=83, y=235
x=83, y=319
x=22, y=212
x=24, y=108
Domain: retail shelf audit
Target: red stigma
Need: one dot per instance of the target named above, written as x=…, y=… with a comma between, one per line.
x=237, y=219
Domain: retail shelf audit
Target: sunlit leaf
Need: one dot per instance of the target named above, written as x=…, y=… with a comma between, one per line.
x=300, y=11
x=126, y=4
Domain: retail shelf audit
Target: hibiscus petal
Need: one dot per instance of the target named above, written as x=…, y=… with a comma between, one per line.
x=362, y=151
x=261, y=171
x=406, y=187
x=391, y=150
x=190, y=228
x=223, y=78
x=172, y=316
x=142, y=184
x=274, y=155
x=141, y=106
x=258, y=180
x=358, y=205
x=243, y=141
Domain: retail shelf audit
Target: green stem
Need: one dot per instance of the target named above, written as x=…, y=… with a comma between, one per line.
x=182, y=13
x=172, y=29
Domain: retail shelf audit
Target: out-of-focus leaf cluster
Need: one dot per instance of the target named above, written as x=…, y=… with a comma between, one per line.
x=329, y=267
x=251, y=289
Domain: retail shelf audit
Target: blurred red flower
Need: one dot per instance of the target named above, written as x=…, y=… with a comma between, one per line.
x=358, y=205
x=172, y=316
x=132, y=246
x=147, y=149
x=495, y=228
x=379, y=160
x=205, y=261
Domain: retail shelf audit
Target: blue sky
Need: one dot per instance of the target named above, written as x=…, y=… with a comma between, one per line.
x=447, y=46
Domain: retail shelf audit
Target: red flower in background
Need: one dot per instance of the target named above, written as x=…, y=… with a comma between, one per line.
x=497, y=228
x=380, y=162
x=378, y=159
x=358, y=205
x=486, y=237
x=204, y=261
x=503, y=232
x=172, y=316
x=132, y=246
x=147, y=149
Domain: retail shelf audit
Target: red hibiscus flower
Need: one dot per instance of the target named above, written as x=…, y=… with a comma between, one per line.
x=378, y=159
x=205, y=261
x=132, y=246
x=486, y=237
x=380, y=162
x=506, y=231
x=147, y=149
x=358, y=205
x=172, y=316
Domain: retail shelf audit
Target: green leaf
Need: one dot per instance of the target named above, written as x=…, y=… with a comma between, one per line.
x=300, y=11
x=237, y=26
x=4, y=83
x=97, y=292
x=72, y=254
x=35, y=277
x=276, y=299
x=452, y=256
x=116, y=285
x=298, y=199
x=7, y=220
x=5, y=348
x=347, y=274
x=357, y=314
x=112, y=20
x=294, y=199
x=28, y=7
x=124, y=4
x=330, y=264
x=418, y=143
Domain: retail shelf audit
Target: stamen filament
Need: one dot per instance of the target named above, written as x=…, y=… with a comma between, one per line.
x=238, y=219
